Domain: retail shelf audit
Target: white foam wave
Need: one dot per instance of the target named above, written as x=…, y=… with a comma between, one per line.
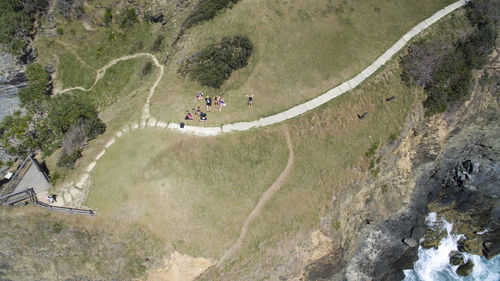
x=433, y=264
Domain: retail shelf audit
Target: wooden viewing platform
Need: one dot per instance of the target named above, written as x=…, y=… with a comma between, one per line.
x=29, y=193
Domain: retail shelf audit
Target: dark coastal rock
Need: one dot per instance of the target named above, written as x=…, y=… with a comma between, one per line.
x=491, y=246
x=156, y=17
x=433, y=237
x=471, y=246
x=465, y=269
x=325, y=266
x=456, y=258
x=392, y=256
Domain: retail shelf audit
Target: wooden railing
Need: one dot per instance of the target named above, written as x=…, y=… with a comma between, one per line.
x=30, y=194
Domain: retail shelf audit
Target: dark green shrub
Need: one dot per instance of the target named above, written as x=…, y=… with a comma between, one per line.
x=479, y=46
x=393, y=136
x=108, y=17
x=99, y=52
x=56, y=176
x=372, y=150
x=21, y=134
x=68, y=160
x=157, y=43
x=111, y=35
x=35, y=97
x=57, y=227
x=446, y=75
x=60, y=31
x=66, y=110
x=129, y=18
x=16, y=20
x=147, y=68
x=477, y=10
x=435, y=104
x=214, y=64
x=205, y=11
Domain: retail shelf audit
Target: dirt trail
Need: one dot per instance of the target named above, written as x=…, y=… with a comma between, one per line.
x=275, y=187
x=102, y=71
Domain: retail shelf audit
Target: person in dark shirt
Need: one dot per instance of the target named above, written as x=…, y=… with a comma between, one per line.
x=203, y=117
x=208, y=102
x=250, y=100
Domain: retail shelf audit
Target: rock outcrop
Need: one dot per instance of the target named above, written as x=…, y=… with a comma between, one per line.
x=454, y=171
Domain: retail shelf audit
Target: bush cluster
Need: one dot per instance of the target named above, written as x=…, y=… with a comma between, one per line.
x=16, y=20
x=108, y=17
x=157, y=43
x=70, y=119
x=128, y=18
x=445, y=69
x=147, y=68
x=68, y=160
x=205, y=11
x=214, y=64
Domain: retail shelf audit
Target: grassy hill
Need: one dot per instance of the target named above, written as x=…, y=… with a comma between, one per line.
x=301, y=50
x=191, y=194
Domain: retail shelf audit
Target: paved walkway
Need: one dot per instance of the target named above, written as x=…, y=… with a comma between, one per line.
x=75, y=193
x=331, y=94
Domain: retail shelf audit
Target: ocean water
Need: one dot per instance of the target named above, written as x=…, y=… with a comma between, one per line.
x=433, y=264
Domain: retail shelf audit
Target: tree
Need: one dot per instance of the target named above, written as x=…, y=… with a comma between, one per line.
x=20, y=135
x=16, y=20
x=66, y=109
x=16, y=25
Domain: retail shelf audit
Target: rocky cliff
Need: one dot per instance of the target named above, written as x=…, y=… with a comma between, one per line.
x=447, y=164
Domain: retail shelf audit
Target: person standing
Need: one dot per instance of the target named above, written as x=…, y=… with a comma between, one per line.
x=208, y=102
x=217, y=102
x=222, y=103
x=250, y=100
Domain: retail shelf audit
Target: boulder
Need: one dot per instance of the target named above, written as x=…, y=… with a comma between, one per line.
x=432, y=239
x=456, y=258
x=465, y=269
x=410, y=242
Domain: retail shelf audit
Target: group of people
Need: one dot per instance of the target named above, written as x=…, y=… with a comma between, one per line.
x=217, y=101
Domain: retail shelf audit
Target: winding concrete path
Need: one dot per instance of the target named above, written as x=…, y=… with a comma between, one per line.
x=326, y=97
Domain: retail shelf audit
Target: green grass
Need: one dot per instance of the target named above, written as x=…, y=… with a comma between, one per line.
x=314, y=50
x=44, y=244
x=320, y=44
x=120, y=96
x=79, y=55
x=330, y=145
x=118, y=82
x=195, y=193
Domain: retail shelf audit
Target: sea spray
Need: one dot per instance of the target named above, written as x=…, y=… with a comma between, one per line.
x=433, y=264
